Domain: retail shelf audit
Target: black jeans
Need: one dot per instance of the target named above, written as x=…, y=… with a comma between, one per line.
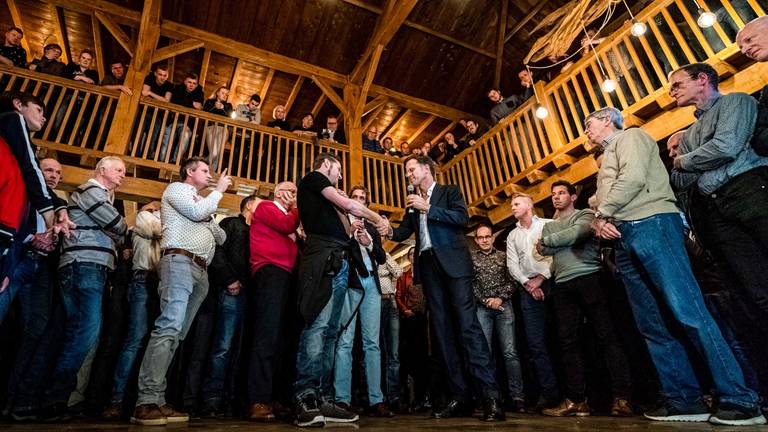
x=414, y=353
x=267, y=305
x=571, y=300
x=731, y=224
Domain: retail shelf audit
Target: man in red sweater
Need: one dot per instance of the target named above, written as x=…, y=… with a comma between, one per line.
x=273, y=258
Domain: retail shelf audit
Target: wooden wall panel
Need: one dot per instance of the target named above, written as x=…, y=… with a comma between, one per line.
x=79, y=32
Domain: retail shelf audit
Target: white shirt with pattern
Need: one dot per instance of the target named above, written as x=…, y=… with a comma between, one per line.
x=187, y=220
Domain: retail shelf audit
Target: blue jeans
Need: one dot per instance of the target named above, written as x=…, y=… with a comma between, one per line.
x=183, y=287
x=317, y=344
x=370, y=317
x=138, y=326
x=227, y=325
x=652, y=260
x=535, y=326
x=82, y=289
x=390, y=339
x=503, y=323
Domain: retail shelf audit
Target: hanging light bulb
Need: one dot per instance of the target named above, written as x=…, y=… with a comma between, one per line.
x=638, y=28
x=542, y=112
x=608, y=86
x=706, y=19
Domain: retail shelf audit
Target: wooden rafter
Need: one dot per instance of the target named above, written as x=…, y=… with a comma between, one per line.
x=394, y=123
x=424, y=29
x=60, y=31
x=422, y=127
x=235, y=80
x=531, y=14
x=375, y=103
x=500, y=31
x=265, y=87
x=176, y=49
x=116, y=31
x=294, y=93
x=330, y=93
x=442, y=133
x=372, y=117
x=319, y=104
x=373, y=65
x=204, y=67
x=98, y=46
x=16, y=18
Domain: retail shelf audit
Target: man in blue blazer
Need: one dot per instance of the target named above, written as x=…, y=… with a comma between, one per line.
x=437, y=214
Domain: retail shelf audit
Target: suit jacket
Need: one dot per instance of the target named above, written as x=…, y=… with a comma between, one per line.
x=446, y=221
x=378, y=256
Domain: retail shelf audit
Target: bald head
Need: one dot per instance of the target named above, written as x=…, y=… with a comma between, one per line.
x=674, y=142
x=753, y=39
x=285, y=194
x=51, y=172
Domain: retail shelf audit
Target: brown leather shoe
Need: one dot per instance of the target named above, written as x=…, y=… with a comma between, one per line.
x=380, y=410
x=568, y=408
x=174, y=416
x=621, y=408
x=113, y=412
x=148, y=415
x=261, y=413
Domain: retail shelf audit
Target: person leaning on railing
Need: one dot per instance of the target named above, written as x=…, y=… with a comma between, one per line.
x=49, y=63
x=216, y=134
x=188, y=94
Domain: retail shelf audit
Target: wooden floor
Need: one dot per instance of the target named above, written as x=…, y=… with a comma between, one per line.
x=521, y=423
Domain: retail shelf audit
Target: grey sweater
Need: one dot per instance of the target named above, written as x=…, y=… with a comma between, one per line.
x=100, y=228
x=570, y=242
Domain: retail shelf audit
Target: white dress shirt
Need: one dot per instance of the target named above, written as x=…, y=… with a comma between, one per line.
x=425, y=242
x=523, y=261
x=187, y=221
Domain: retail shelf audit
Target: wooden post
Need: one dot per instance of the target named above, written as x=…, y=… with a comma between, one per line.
x=354, y=130
x=554, y=131
x=141, y=63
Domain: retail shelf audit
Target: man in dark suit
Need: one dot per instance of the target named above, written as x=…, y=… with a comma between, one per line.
x=438, y=216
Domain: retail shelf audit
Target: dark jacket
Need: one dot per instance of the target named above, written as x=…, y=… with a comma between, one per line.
x=446, y=220
x=230, y=261
x=321, y=261
x=378, y=256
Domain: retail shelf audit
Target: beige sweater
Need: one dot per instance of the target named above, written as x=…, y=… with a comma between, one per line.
x=633, y=183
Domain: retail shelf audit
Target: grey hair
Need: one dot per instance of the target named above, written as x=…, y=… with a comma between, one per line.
x=608, y=112
x=107, y=159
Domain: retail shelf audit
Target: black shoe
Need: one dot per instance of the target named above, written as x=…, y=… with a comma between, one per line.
x=737, y=415
x=308, y=413
x=54, y=413
x=453, y=409
x=398, y=407
x=515, y=406
x=338, y=413
x=209, y=411
x=492, y=411
x=24, y=415
x=672, y=413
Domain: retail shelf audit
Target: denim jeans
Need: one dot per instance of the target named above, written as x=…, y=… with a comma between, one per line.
x=138, y=326
x=32, y=282
x=390, y=340
x=503, y=324
x=82, y=289
x=369, y=314
x=535, y=326
x=228, y=322
x=317, y=344
x=652, y=260
x=183, y=286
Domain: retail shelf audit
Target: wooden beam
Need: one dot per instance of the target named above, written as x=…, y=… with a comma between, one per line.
x=370, y=74
x=204, y=67
x=501, y=28
x=235, y=79
x=531, y=14
x=265, y=88
x=422, y=127
x=354, y=130
x=372, y=117
x=98, y=47
x=60, y=32
x=372, y=105
x=116, y=31
x=293, y=95
x=330, y=93
x=16, y=18
x=175, y=49
x=319, y=104
x=394, y=122
x=442, y=133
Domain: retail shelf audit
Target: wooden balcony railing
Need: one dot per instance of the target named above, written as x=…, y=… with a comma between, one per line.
x=523, y=150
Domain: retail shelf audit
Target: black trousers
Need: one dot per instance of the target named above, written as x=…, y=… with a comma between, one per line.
x=414, y=354
x=267, y=306
x=572, y=300
x=452, y=305
x=731, y=224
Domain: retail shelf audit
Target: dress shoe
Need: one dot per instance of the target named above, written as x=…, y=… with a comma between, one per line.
x=516, y=406
x=492, y=411
x=380, y=410
x=453, y=409
x=261, y=413
x=568, y=408
x=621, y=408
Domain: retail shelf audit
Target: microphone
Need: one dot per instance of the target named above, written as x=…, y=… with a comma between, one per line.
x=411, y=191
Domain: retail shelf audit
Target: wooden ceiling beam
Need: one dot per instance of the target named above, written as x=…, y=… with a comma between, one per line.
x=372, y=105
x=373, y=65
x=116, y=31
x=330, y=93
x=16, y=18
x=204, y=67
x=265, y=87
x=424, y=29
x=422, y=127
x=442, y=133
x=501, y=28
x=394, y=123
x=98, y=46
x=59, y=30
x=424, y=105
x=531, y=14
x=319, y=104
x=294, y=93
x=235, y=79
x=175, y=49
x=372, y=117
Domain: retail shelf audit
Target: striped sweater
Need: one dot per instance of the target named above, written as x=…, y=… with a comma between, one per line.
x=100, y=228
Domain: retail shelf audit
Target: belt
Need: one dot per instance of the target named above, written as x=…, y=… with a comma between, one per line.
x=388, y=296
x=197, y=259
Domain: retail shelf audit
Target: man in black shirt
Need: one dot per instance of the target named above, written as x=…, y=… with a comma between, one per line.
x=332, y=130
x=323, y=281
x=49, y=63
x=77, y=71
x=81, y=71
x=473, y=133
x=11, y=53
x=216, y=134
x=156, y=86
x=116, y=77
x=188, y=94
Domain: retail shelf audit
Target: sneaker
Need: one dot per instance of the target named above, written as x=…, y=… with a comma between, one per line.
x=737, y=415
x=333, y=413
x=148, y=415
x=174, y=416
x=54, y=413
x=308, y=414
x=24, y=415
x=113, y=412
x=670, y=413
